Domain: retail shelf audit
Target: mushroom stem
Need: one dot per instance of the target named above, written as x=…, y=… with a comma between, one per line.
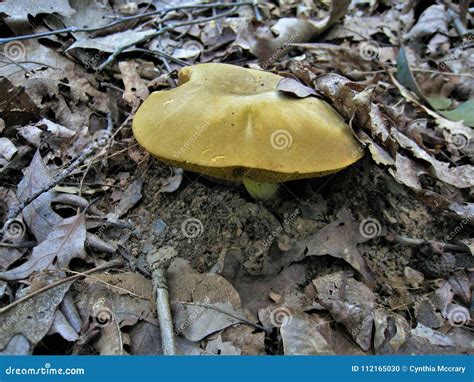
x=261, y=190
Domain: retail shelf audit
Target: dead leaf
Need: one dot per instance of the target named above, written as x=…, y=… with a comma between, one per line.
x=34, y=317
x=278, y=275
x=301, y=336
x=339, y=239
x=39, y=216
x=291, y=86
x=350, y=303
x=135, y=88
x=145, y=339
x=434, y=19
x=201, y=304
x=64, y=243
x=31, y=7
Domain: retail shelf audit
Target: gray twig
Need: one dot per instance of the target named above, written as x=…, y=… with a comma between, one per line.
x=167, y=28
x=121, y=20
x=158, y=263
x=100, y=142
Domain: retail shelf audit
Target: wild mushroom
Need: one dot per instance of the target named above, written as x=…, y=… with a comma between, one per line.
x=232, y=123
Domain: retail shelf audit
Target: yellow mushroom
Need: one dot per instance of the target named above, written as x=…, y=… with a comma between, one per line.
x=232, y=123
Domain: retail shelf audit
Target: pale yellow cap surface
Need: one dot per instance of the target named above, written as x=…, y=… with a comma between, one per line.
x=230, y=122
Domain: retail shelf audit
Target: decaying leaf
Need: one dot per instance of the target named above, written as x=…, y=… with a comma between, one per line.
x=302, y=336
x=350, y=303
x=202, y=304
x=39, y=216
x=340, y=239
x=34, y=317
x=64, y=243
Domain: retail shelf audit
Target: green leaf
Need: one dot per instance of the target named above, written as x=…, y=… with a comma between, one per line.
x=439, y=103
x=464, y=112
x=404, y=74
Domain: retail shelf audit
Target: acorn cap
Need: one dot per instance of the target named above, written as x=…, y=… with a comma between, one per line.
x=232, y=123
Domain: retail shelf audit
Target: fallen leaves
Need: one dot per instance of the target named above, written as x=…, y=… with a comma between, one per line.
x=64, y=243
x=340, y=239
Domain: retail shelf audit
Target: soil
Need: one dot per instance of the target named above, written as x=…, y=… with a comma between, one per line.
x=229, y=219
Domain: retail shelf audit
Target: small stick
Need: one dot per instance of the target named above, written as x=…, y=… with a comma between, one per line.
x=121, y=20
x=25, y=244
x=60, y=282
x=164, y=311
x=417, y=242
x=158, y=263
x=59, y=177
x=160, y=31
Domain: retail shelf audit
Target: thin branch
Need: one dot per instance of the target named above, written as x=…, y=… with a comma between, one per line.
x=419, y=242
x=161, y=54
x=160, y=31
x=62, y=175
x=163, y=309
x=122, y=20
x=60, y=282
x=26, y=244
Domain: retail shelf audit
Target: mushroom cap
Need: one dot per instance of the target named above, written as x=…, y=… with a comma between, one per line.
x=229, y=122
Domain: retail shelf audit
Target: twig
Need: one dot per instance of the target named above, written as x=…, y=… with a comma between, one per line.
x=439, y=72
x=158, y=263
x=160, y=31
x=122, y=20
x=161, y=54
x=59, y=177
x=164, y=312
x=418, y=242
x=60, y=282
x=26, y=244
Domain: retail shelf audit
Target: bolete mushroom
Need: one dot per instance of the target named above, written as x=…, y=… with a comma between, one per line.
x=232, y=123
